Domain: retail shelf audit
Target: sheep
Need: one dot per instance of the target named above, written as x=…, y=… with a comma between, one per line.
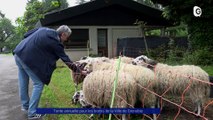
x=77, y=76
x=143, y=76
x=125, y=59
x=175, y=77
x=98, y=86
x=79, y=97
x=87, y=59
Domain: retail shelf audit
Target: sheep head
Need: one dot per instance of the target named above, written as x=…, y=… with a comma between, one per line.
x=144, y=61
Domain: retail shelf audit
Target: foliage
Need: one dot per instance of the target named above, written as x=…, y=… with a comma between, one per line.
x=6, y=31
x=177, y=31
x=199, y=28
x=153, y=32
x=199, y=57
x=149, y=3
x=159, y=53
x=35, y=10
x=54, y=5
x=80, y=2
x=208, y=69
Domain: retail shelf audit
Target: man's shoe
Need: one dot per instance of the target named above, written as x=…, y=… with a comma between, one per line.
x=24, y=110
x=36, y=116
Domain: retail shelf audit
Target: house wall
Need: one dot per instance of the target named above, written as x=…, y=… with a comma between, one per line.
x=122, y=32
x=113, y=33
x=76, y=54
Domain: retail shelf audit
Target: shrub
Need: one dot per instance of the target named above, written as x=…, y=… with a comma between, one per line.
x=199, y=57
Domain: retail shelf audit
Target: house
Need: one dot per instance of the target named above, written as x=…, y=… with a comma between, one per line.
x=97, y=25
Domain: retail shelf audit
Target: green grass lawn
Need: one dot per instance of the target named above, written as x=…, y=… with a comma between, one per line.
x=60, y=90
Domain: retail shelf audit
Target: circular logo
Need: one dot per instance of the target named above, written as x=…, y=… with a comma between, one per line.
x=197, y=11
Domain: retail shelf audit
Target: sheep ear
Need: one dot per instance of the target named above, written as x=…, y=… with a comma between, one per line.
x=152, y=62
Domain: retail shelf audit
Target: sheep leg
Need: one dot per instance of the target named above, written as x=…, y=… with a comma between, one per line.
x=198, y=109
x=123, y=105
x=154, y=115
x=124, y=117
x=158, y=103
x=91, y=116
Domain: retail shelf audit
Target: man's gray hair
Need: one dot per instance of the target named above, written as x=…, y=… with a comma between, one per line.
x=64, y=29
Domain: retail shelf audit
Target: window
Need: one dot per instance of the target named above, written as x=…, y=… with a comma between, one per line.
x=78, y=39
x=102, y=42
x=102, y=38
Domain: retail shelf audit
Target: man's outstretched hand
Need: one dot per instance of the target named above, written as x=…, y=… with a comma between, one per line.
x=73, y=67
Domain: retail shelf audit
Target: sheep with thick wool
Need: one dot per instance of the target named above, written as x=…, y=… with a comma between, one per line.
x=90, y=60
x=143, y=76
x=124, y=59
x=98, y=87
x=178, y=79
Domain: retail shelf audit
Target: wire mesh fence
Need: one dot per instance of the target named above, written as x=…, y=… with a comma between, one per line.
x=174, y=103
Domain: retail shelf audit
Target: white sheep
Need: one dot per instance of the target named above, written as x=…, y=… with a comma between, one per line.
x=178, y=78
x=124, y=59
x=143, y=76
x=87, y=59
x=98, y=87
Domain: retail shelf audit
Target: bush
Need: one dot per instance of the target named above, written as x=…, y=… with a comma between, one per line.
x=199, y=57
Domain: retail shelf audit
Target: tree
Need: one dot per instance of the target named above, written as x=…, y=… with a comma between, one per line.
x=149, y=3
x=35, y=10
x=6, y=30
x=54, y=5
x=1, y=15
x=200, y=29
x=80, y=1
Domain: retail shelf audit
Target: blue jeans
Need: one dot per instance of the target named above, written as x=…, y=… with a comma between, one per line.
x=24, y=73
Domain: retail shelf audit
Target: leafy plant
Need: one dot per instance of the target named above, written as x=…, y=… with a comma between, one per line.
x=199, y=57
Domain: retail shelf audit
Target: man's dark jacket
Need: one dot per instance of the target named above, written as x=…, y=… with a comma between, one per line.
x=39, y=50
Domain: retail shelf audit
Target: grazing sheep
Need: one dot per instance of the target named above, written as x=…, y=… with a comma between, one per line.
x=178, y=78
x=143, y=76
x=77, y=76
x=98, y=86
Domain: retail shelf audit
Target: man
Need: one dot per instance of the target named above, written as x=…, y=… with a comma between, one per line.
x=36, y=57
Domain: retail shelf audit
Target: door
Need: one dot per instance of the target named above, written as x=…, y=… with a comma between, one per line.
x=102, y=42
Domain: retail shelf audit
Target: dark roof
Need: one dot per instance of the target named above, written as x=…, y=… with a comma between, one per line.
x=106, y=12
